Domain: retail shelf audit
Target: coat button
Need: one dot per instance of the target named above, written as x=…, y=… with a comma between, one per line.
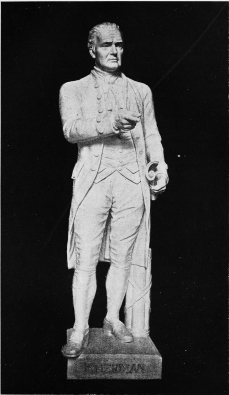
x=99, y=96
x=96, y=85
x=93, y=168
x=109, y=105
x=120, y=168
x=100, y=110
x=99, y=129
x=96, y=154
x=99, y=119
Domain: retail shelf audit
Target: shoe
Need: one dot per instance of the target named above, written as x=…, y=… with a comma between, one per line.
x=77, y=343
x=117, y=329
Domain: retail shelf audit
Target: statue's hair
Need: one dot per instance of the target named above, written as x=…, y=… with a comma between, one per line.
x=96, y=30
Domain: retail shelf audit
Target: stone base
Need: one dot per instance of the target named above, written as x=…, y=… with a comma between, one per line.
x=107, y=358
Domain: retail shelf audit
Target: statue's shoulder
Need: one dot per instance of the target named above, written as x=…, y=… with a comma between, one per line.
x=77, y=85
x=139, y=86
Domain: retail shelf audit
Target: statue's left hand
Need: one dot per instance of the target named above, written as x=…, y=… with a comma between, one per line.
x=159, y=184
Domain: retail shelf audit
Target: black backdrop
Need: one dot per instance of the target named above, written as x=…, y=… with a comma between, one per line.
x=179, y=50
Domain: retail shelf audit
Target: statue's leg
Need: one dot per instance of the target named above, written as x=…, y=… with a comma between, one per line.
x=116, y=285
x=127, y=211
x=89, y=225
x=90, y=222
x=83, y=290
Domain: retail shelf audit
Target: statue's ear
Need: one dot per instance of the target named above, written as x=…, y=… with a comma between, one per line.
x=92, y=52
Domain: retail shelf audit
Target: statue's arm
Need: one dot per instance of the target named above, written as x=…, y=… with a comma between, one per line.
x=154, y=148
x=75, y=127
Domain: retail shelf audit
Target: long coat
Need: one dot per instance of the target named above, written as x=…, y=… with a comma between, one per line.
x=79, y=113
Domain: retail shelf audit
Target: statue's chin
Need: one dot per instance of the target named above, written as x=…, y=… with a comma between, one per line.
x=109, y=69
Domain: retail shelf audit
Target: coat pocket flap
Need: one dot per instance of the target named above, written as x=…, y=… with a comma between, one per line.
x=133, y=167
x=102, y=168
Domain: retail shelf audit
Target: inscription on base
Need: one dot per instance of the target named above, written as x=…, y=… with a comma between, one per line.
x=92, y=368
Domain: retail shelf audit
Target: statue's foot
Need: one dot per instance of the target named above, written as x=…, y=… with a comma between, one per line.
x=77, y=343
x=117, y=329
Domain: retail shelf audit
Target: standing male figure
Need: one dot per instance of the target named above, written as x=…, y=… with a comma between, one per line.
x=111, y=118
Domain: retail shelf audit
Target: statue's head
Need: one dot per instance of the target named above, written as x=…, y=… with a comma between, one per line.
x=106, y=46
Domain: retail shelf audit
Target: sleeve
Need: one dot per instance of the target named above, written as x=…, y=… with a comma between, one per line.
x=154, y=148
x=75, y=127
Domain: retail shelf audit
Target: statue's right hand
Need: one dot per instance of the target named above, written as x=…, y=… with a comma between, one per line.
x=125, y=120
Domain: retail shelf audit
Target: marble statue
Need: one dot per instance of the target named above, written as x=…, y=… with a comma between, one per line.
x=119, y=170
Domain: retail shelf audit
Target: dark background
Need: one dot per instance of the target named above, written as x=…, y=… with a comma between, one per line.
x=180, y=50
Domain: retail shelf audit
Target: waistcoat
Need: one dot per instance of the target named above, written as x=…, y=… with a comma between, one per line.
x=118, y=152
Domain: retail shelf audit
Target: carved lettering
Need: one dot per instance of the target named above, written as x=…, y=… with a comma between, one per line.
x=106, y=368
x=92, y=368
x=137, y=368
x=133, y=369
x=142, y=367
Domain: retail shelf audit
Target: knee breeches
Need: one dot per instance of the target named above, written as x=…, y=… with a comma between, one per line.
x=121, y=198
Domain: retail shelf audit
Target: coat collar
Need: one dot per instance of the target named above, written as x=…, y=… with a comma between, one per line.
x=104, y=77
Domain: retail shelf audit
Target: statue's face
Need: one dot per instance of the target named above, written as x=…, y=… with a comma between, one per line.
x=108, y=49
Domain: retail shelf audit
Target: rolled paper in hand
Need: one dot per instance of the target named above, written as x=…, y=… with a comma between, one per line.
x=151, y=171
x=153, y=196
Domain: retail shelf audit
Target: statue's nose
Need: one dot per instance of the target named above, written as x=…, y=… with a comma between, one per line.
x=114, y=49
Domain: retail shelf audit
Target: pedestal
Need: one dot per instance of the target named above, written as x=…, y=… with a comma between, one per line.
x=107, y=358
